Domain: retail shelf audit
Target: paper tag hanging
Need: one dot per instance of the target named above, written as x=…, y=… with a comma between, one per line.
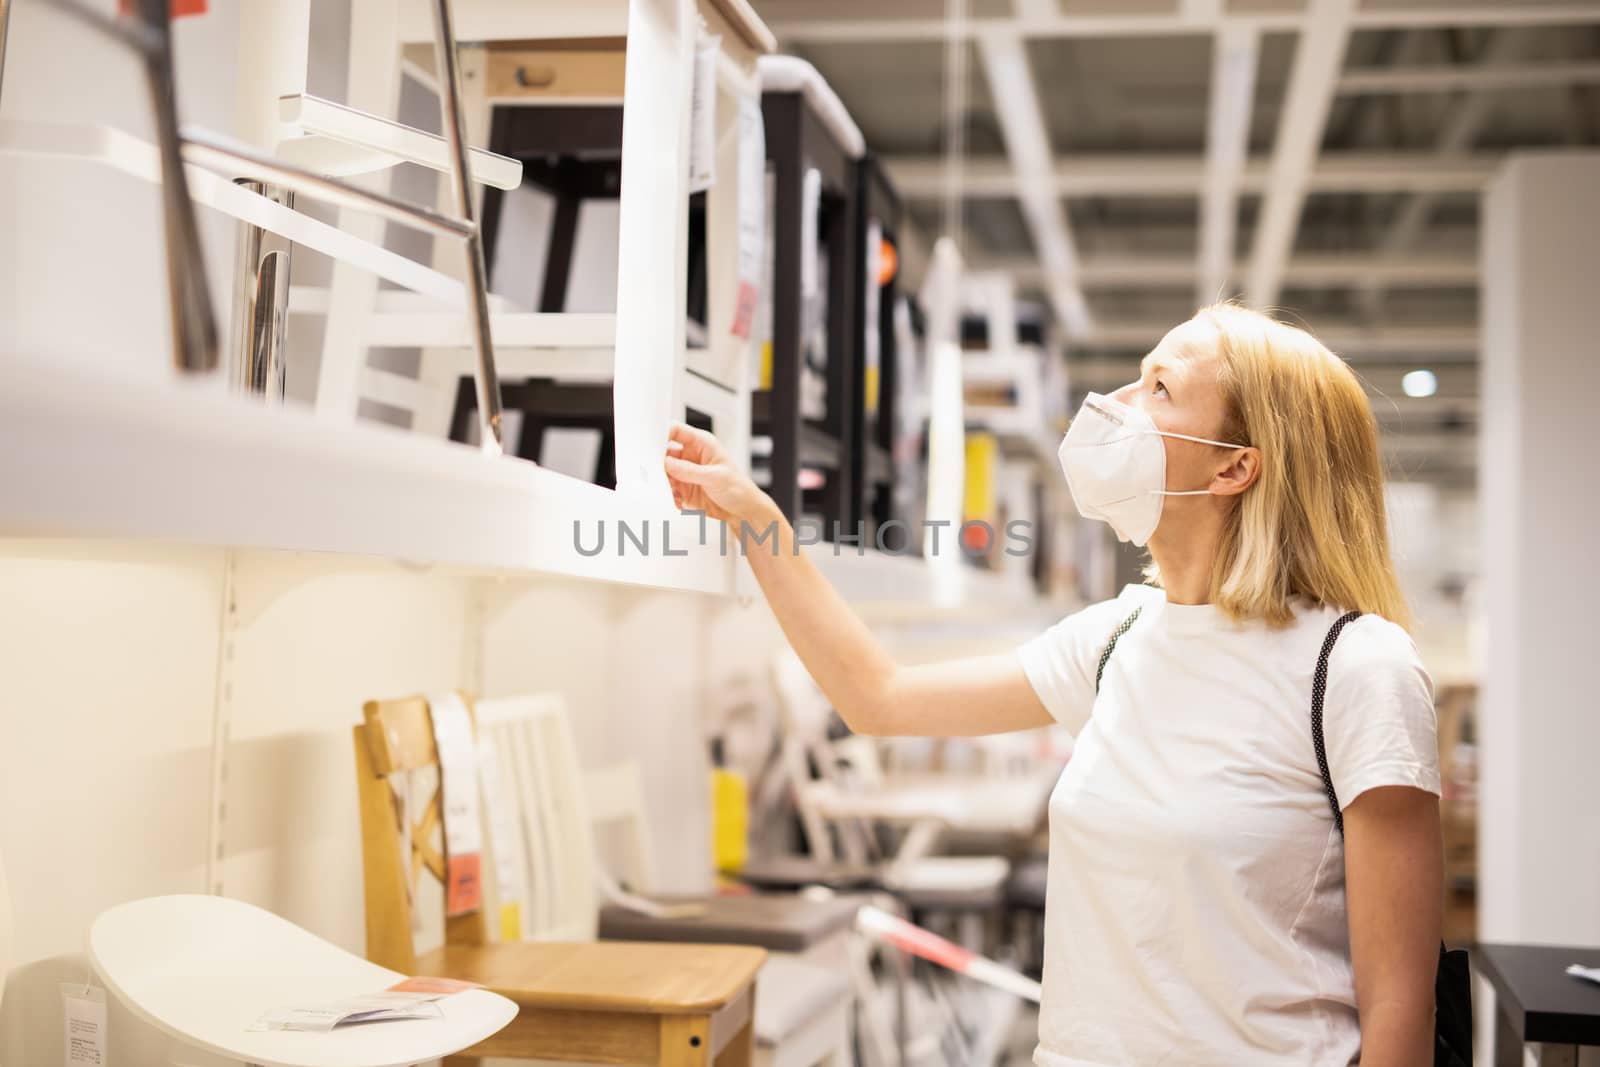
x=505, y=844
x=810, y=220
x=458, y=798
x=703, y=116
x=83, y=1013
x=752, y=213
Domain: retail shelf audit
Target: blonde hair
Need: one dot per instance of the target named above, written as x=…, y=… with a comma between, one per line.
x=1314, y=524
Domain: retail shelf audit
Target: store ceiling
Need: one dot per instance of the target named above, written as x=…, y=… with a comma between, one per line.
x=1366, y=231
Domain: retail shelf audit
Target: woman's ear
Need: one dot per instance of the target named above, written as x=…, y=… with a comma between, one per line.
x=1240, y=474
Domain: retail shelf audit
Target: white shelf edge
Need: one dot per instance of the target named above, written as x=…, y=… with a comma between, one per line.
x=85, y=454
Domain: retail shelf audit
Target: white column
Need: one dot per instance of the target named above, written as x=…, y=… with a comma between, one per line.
x=1539, y=836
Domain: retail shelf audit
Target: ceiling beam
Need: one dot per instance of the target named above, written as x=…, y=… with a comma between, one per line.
x=1132, y=174
x=1301, y=122
x=789, y=22
x=1233, y=80
x=1035, y=10
x=1462, y=122
x=1457, y=132
x=1011, y=84
x=1416, y=271
x=1449, y=77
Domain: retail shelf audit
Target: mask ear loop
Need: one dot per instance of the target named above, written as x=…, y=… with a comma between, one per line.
x=1197, y=440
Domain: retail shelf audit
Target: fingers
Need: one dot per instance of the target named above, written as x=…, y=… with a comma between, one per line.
x=687, y=436
x=685, y=471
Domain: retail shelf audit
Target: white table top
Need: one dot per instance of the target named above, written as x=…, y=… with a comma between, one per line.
x=203, y=969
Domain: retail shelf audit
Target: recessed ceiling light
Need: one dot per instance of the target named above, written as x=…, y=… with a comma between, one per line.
x=1420, y=383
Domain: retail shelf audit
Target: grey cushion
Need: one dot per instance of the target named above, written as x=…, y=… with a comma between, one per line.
x=778, y=923
x=792, y=872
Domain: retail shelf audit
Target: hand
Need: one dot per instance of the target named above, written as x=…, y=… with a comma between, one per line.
x=704, y=478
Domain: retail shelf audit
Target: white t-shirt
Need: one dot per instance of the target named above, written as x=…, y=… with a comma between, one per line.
x=1196, y=913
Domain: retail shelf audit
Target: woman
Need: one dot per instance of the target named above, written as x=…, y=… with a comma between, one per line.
x=1202, y=907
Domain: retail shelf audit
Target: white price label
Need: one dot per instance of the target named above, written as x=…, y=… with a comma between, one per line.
x=703, y=116
x=83, y=1011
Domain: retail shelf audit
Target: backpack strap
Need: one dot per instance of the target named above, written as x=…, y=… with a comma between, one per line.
x=1319, y=688
x=1116, y=635
x=1452, y=986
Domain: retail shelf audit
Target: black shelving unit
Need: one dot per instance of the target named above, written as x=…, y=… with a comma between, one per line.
x=798, y=141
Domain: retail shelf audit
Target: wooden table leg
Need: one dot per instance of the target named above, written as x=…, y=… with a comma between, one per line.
x=741, y=1051
x=685, y=1041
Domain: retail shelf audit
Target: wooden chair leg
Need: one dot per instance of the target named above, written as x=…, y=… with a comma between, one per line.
x=686, y=1041
x=741, y=1051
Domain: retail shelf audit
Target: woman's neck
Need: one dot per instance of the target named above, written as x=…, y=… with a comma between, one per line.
x=1187, y=559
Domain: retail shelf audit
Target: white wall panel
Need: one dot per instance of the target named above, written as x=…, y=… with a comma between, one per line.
x=108, y=660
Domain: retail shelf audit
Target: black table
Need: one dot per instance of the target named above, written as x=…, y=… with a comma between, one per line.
x=1536, y=1001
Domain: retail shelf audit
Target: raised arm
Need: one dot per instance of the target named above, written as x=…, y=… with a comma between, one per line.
x=873, y=693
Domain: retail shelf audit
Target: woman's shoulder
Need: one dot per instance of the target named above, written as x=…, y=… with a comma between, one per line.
x=1368, y=643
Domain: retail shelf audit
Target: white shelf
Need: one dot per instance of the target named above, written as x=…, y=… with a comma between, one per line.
x=86, y=454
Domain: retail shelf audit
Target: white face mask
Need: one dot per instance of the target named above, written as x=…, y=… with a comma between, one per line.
x=1116, y=466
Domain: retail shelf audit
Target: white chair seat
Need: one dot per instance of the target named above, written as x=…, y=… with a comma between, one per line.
x=791, y=993
x=203, y=969
x=949, y=881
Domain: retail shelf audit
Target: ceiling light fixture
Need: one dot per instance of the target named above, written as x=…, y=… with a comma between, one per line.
x=1420, y=383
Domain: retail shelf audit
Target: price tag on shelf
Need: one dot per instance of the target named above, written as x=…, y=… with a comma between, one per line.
x=703, y=115
x=83, y=1011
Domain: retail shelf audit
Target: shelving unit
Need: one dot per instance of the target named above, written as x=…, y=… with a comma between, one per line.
x=193, y=465
x=201, y=466
x=808, y=131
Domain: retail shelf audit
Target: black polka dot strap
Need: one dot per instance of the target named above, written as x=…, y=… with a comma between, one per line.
x=1319, y=689
x=1116, y=635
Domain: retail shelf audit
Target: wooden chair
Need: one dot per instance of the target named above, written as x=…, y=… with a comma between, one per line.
x=617, y=1002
